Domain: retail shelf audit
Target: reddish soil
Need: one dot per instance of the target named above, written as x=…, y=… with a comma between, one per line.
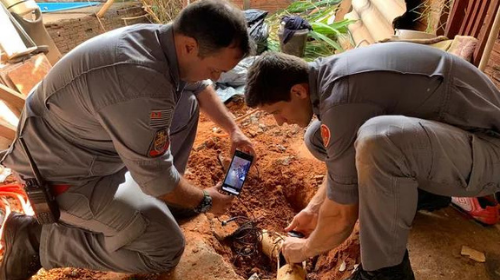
x=281, y=182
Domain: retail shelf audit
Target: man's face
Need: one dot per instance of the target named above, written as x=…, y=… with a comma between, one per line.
x=211, y=66
x=296, y=111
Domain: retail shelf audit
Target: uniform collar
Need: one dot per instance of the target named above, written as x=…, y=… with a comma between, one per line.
x=166, y=34
x=313, y=87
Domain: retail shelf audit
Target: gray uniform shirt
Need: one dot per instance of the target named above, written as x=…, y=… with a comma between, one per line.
x=393, y=79
x=105, y=105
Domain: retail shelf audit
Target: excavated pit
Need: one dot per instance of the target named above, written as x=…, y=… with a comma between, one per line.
x=280, y=183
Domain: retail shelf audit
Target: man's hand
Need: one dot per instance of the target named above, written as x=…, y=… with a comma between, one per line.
x=294, y=250
x=304, y=222
x=241, y=142
x=220, y=202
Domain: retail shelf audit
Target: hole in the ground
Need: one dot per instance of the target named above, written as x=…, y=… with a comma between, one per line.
x=281, y=184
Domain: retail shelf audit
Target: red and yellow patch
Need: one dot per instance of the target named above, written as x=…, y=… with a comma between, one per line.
x=160, y=143
x=325, y=134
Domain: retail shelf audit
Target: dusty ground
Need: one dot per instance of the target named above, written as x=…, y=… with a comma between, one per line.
x=284, y=178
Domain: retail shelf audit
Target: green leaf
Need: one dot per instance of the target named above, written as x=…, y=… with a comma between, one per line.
x=324, y=29
x=319, y=36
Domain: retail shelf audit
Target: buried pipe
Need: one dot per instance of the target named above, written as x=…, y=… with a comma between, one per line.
x=271, y=246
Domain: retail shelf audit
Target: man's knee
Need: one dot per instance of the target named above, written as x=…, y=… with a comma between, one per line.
x=386, y=142
x=314, y=142
x=165, y=249
x=372, y=139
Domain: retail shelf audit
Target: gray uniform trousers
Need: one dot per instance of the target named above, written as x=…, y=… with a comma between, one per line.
x=395, y=155
x=110, y=225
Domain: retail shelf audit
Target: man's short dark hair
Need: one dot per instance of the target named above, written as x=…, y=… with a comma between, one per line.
x=214, y=24
x=271, y=77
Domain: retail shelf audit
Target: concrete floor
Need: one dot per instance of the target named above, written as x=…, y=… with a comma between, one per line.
x=437, y=239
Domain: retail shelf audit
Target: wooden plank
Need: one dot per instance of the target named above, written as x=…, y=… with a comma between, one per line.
x=455, y=19
x=480, y=19
x=478, y=53
x=7, y=130
x=11, y=96
x=473, y=18
x=490, y=41
x=467, y=18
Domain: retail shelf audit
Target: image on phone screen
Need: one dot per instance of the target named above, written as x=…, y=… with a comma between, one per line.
x=237, y=173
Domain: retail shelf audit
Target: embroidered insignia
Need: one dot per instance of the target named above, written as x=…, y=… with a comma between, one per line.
x=160, y=118
x=325, y=134
x=160, y=143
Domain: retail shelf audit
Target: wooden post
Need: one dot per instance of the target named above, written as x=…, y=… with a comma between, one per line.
x=104, y=8
x=491, y=41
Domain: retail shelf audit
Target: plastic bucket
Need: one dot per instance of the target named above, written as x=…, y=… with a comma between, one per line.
x=297, y=44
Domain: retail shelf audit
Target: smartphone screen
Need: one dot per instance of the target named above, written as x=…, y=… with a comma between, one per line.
x=237, y=172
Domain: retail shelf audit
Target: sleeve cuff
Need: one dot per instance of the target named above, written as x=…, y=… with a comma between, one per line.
x=198, y=87
x=342, y=193
x=162, y=184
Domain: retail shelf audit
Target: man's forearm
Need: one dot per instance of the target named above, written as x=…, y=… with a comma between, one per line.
x=318, y=199
x=211, y=104
x=334, y=227
x=184, y=195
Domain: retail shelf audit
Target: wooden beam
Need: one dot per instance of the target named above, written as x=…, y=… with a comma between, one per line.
x=7, y=130
x=491, y=41
x=12, y=97
x=104, y=8
x=485, y=32
x=457, y=15
x=467, y=18
x=476, y=29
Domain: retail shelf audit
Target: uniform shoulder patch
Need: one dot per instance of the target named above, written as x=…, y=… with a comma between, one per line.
x=325, y=134
x=160, y=143
x=160, y=118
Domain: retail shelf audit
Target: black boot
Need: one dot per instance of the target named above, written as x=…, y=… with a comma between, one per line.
x=401, y=271
x=21, y=238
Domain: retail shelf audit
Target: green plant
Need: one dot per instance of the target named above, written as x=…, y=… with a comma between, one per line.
x=322, y=40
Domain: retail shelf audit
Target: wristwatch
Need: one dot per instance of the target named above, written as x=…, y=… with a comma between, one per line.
x=205, y=204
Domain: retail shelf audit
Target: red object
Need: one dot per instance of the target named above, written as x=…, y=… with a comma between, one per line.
x=59, y=189
x=484, y=209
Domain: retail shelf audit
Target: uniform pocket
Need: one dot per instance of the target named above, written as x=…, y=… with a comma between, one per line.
x=118, y=238
x=485, y=175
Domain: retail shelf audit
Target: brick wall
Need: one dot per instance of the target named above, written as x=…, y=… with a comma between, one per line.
x=68, y=33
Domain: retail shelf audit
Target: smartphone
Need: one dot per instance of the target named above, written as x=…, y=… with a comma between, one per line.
x=237, y=172
x=294, y=233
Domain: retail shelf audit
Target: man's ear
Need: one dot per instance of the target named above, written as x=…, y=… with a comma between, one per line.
x=300, y=90
x=190, y=46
